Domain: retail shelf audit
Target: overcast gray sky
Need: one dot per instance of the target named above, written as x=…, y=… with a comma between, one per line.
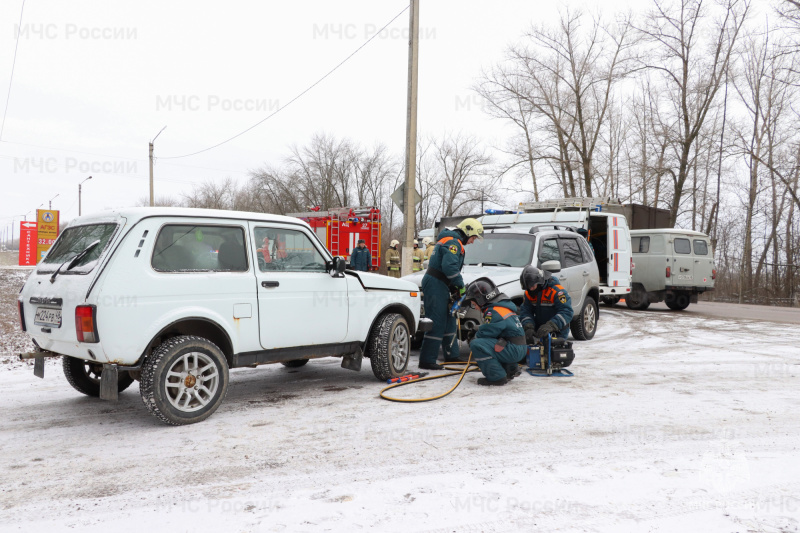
x=94, y=81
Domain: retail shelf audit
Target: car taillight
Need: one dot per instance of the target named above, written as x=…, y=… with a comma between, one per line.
x=632, y=266
x=86, y=323
x=714, y=274
x=669, y=271
x=21, y=315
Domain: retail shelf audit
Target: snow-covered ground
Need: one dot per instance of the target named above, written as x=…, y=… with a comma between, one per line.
x=669, y=424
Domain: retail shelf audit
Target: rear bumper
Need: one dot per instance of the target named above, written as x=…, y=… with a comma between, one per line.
x=614, y=291
x=425, y=324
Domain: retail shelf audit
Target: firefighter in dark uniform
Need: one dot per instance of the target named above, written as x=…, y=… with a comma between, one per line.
x=546, y=306
x=441, y=280
x=361, y=259
x=499, y=344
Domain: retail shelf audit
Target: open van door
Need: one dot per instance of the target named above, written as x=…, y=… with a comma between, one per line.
x=619, y=252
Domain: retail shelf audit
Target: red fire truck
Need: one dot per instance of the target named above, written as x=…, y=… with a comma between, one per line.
x=340, y=229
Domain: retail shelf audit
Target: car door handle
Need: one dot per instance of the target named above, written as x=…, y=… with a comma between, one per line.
x=270, y=284
x=585, y=273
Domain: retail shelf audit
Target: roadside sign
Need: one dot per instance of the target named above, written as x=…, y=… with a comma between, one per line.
x=48, y=231
x=399, y=197
x=27, y=243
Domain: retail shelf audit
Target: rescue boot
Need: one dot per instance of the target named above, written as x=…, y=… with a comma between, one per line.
x=512, y=371
x=486, y=382
x=430, y=366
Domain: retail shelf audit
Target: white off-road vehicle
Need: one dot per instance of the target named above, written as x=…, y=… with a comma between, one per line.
x=505, y=250
x=175, y=297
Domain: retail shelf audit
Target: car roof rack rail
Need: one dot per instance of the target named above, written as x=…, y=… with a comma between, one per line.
x=549, y=227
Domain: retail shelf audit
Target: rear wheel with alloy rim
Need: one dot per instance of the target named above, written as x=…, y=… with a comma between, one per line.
x=185, y=380
x=584, y=325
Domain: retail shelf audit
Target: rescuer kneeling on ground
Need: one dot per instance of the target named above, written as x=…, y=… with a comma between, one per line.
x=546, y=308
x=441, y=280
x=499, y=344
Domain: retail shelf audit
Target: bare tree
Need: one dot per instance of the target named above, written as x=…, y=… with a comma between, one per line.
x=464, y=172
x=571, y=73
x=212, y=195
x=692, y=54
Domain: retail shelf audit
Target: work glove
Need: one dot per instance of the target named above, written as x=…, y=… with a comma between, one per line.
x=530, y=333
x=547, y=327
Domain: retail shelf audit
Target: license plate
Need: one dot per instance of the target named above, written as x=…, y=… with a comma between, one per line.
x=47, y=316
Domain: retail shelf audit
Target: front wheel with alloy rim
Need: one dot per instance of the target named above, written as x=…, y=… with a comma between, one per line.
x=584, y=324
x=84, y=376
x=184, y=380
x=389, y=346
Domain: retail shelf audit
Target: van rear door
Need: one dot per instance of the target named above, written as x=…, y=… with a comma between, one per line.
x=682, y=274
x=611, y=242
x=703, y=262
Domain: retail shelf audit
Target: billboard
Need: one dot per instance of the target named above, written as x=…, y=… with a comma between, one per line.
x=27, y=244
x=48, y=231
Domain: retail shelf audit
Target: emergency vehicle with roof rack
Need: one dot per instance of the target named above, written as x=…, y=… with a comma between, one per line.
x=606, y=225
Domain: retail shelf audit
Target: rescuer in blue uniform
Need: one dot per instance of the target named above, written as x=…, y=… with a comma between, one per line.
x=441, y=280
x=499, y=344
x=546, y=306
x=361, y=259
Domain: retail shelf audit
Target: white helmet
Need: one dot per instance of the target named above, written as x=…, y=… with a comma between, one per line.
x=394, y=242
x=427, y=240
x=416, y=242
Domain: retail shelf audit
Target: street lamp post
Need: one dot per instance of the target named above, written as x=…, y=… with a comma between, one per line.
x=51, y=202
x=79, y=195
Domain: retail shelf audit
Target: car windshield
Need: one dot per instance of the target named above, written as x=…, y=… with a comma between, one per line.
x=73, y=241
x=500, y=249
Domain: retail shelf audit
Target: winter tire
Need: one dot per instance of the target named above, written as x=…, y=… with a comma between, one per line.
x=84, y=376
x=184, y=380
x=389, y=346
x=584, y=325
x=637, y=300
x=297, y=363
x=678, y=302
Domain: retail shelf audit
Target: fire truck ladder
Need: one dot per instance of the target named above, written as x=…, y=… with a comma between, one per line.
x=374, y=238
x=334, y=228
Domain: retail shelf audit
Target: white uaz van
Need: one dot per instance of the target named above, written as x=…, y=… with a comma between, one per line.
x=175, y=297
x=673, y=266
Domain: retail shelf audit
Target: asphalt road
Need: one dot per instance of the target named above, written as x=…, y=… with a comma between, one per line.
x=764, y=313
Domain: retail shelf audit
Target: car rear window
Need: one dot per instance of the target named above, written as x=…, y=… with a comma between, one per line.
x=72, y=242
x=641, y=245
x=682, y=246
x=199, y=248
x=700, y=247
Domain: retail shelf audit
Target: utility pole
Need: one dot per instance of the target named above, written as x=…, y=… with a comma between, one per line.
x=151, y=166
x=81, y=183
x=411, y=139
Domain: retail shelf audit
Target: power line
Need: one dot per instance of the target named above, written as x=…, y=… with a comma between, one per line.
x=296, y=97
x=13, y=64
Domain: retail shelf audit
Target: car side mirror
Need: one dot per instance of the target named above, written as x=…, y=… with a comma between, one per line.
x=337, y=267
x=552, y=266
